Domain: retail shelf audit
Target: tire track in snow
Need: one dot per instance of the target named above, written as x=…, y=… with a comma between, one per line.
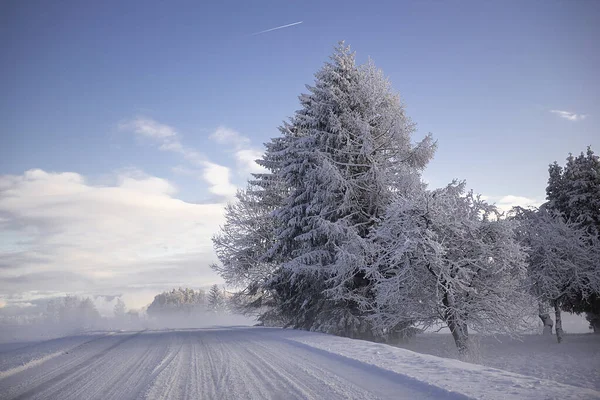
x=38, y=361
x=75, y=366
x=31, y=377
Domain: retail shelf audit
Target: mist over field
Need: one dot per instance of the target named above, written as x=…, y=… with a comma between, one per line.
x=72, y=315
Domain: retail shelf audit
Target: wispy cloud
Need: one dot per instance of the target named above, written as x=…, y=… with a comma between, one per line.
x=168, y=139
x=149, y=128
x=218, y=177
x=569, y=115
x=277, y=28
x=245, y=155
x=224, y=135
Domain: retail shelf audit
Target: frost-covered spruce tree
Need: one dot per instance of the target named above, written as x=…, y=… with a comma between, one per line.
x=119, y=310
x=445, y=256
x=562, y=259
x=351, y=154
x=574, y=191
x=216, y=299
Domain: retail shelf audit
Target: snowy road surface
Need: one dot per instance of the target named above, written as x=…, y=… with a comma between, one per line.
x=248, y=363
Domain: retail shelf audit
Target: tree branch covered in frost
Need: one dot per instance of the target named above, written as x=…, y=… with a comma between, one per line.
x=562, y=256
x=244, y=239
x=441, y=257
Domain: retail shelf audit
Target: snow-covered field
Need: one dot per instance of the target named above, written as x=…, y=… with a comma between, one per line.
x=251, y=363
x=576, y=361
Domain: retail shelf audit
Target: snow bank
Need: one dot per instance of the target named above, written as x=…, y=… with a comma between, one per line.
x=471, y=380
x=575, y=361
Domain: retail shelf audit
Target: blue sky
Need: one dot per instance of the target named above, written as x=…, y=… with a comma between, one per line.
x=170, y=99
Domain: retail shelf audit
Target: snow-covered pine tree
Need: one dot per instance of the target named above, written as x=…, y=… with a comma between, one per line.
x=216, y=299
x=444, y=255
x=351, y=153
x=73, y=313
x=119, y=309
x=574, y=191
x=562, y=259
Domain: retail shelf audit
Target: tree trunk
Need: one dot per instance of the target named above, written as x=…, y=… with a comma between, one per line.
x=459, y=329
x=546, y=320
x=559, y=331
x=460, y=333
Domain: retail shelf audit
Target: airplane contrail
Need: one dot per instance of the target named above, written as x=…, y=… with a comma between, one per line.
x=279, y=27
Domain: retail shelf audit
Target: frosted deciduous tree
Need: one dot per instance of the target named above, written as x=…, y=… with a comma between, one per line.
x=248, y=234
x=177, y=301
x=562, y=259
x=445, y=255
x=243, y=240
x=72, y=313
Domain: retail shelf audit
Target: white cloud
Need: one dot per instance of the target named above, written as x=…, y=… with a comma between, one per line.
x=246, y=161
x=66, y=235
x=569, y=115
x=146, y=185
x=218, y=177
x=506, y=203
x=245, y=155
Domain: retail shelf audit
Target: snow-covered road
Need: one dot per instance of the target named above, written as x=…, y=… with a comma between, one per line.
x=193, y=364
x=219, y=363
